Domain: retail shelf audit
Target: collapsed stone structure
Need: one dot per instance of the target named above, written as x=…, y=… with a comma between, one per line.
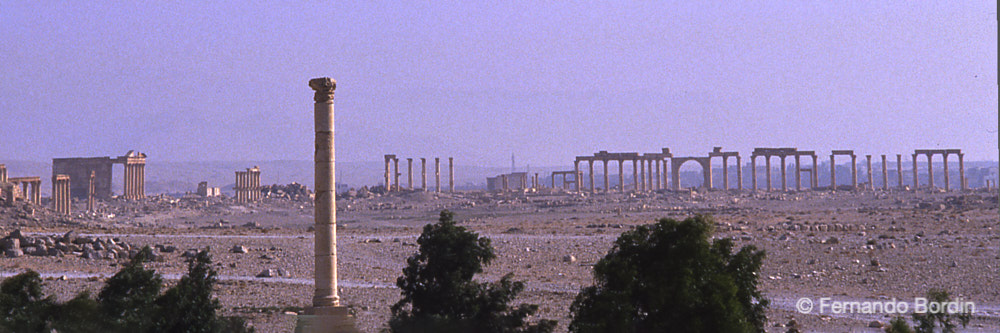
x=248, y=185
x=508, y=182
x=81, y=168
x=392, y=174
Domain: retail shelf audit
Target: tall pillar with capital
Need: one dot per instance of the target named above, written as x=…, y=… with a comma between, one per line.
x=388, y=179
x=753, y=172
x=90, y=192
x=642, y=176
x=635, y=175
x=576, y=175
x=409, y=173
x=325, y=314
x=396, y=173
x=659, y=179
x=725, y=174
x=833, y=172
x=916, y=180
x=621, y=176
x=36, y=194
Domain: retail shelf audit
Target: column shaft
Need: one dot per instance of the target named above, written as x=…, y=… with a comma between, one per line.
x=798, y=173
x=947, y=183
x=451, y=175
x=325, y=240
x=961, y=172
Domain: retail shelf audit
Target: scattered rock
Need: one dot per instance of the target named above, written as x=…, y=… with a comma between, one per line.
x=569, y=258
x=239, y=249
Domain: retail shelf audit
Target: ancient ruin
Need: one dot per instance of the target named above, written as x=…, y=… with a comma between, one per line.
x=24, y=188
x=930, y=166
x=81, y=168
x=392, y=174
x=61, y=201
x=248, y=185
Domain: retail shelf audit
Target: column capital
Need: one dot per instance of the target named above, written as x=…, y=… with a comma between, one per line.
x=324, y=88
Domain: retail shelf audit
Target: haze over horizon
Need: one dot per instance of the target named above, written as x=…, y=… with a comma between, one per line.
x=545, y=81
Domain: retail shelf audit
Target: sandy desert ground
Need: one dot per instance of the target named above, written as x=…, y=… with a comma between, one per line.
x=852, y=246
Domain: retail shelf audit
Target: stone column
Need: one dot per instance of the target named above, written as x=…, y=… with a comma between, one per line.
x=916, y=173
x=409, y=173
x=642, y=176
x=798, y=173
x=871, y=180
x=607, y=187
x=451, y=175
x=388, y=180
x=725, y=173
x=659, y=179
x=576, y=175
x=833, y=172
x=590, y=165
x=396, y=173
x=142, y=180
x=885, y=174
x=3, y=173
x=753, y=172
x=784, y=178
x=947, y=184
x=767, y=173
x=553, y=180
x=621, y=176
x=126, y=184
x=36, y=194
x=815, y=173
x=423, y=174
x=930, y=170
x=325, y=243
x=854, y=171
x=534, y=181
x=666, y=175
x=739, y=173
x=635, y=175
x=961, y=171
x=899, y=170
x=90, y=192
x=437, y=174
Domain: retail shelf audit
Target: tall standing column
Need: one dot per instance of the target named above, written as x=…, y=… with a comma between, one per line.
x=854, y=171
x=725, y=174
x=815, y=173
x=325, y=242
x=899, y=170
x=126, y=183
x=396, y=173
x=659, y=179
x=642, y=176
x=916, y=179
x=784, y=177
x=833, y=172
x=388, y=180
x=885, y=174
x=798, y=173
x=635, y=175
x=930, y=170
x=961, y=172
x=607, y=187
x=753, y=172
x=576, y=175
x=590, y=165
x=409, y=173
x=621, y=176
x=947, y=184
x=36, y=194
x=451, y=175
x=423, y=174
x=437, y=174
x=739, y=173
x=90, y=192
x=142, y=180
x=871, y=180
x=767, y=173
x=666, y=175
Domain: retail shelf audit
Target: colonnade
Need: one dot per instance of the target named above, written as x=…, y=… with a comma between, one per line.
x=392, y=173
x=135, y=178
x=248, y=185
x=29, y=189
x=61, y=201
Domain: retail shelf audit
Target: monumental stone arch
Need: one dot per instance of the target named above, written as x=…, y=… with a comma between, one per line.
x=706, y=170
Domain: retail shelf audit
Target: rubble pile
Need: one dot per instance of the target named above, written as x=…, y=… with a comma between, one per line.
x=17, y=244
x=293, y=191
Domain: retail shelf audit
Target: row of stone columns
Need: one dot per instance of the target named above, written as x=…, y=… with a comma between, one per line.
x=646, y=174
x=61, y=202
x=135, y=180
x=392, y=173
x=930, y=167
x=29, y=189
x=248, y=185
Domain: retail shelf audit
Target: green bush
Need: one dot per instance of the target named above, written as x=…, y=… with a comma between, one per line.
x=668, y=277
x=440, y=296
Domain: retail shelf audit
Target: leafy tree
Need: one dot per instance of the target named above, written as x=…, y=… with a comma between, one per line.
x=23, y=306
x=128, y=298
x=440, y=296
x=926, y=322
x=190, y=307
x=668, y=277
x=81, y=314
x=898, y=325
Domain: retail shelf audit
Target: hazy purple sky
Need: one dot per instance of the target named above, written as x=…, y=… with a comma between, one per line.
x=546, y=81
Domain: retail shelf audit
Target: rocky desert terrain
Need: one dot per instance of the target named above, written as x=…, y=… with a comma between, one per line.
x=846, y=245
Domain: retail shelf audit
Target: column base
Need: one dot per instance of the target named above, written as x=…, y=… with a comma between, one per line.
x=332, y=319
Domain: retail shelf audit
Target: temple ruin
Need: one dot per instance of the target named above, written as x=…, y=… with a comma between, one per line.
x=392, y=174
x=61, y=196
x=247, y=185
x=81, y=168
